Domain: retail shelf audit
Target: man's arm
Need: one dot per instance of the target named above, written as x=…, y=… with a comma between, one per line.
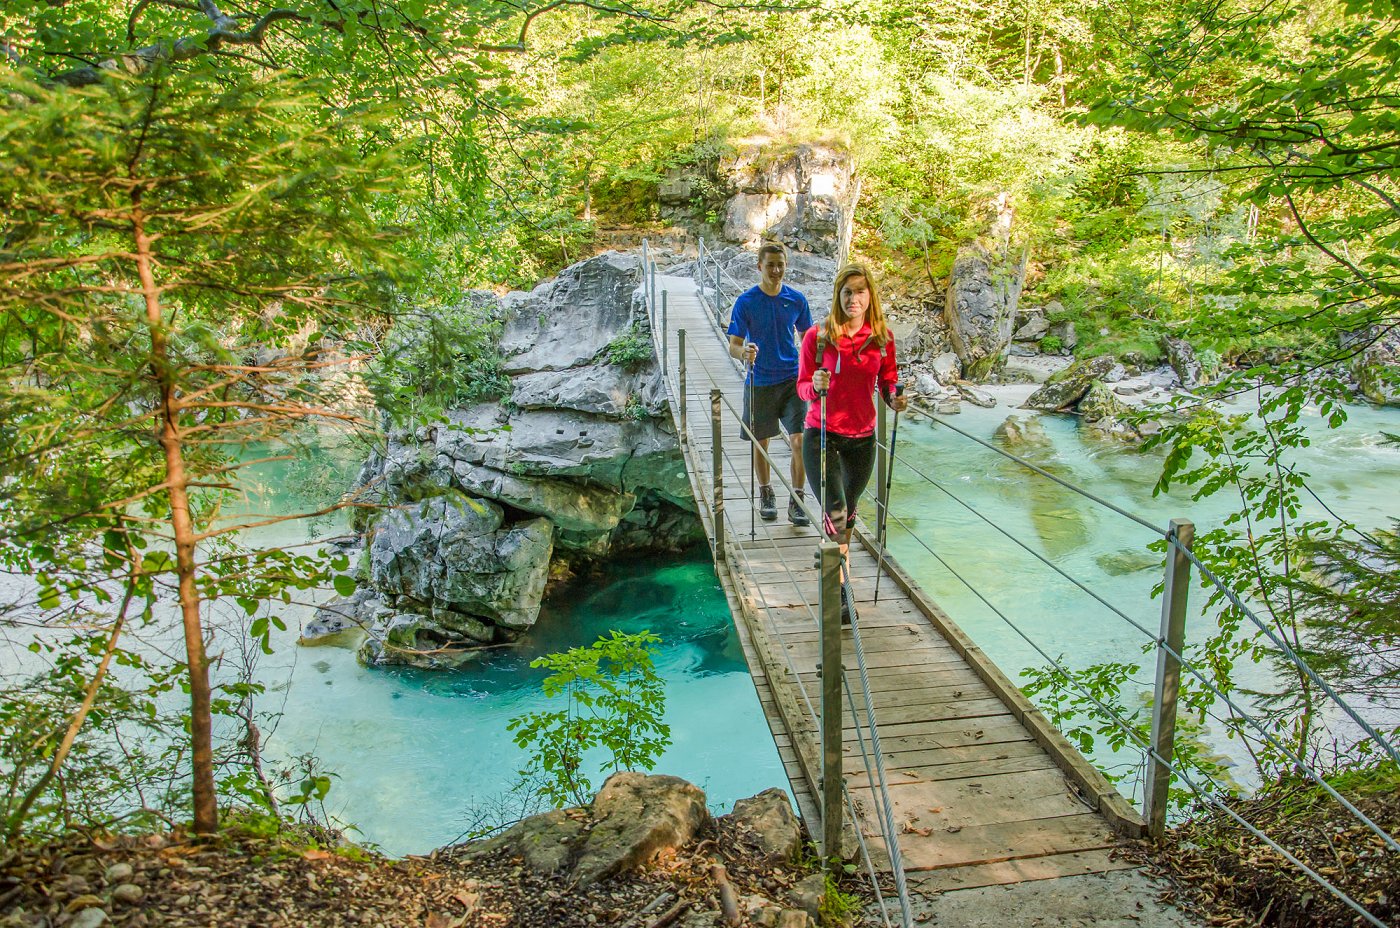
x=737, y=345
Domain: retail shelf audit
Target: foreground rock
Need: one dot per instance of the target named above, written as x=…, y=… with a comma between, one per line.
x=633, y=819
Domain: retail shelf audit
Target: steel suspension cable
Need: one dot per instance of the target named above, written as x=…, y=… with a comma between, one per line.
x=1292, y=756
x=1132, y=735
x=1211, y=687
x=1293, y=656
x=1039, y=470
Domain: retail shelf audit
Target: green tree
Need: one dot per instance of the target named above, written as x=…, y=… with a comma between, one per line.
x=614, y=700
x=184, y=257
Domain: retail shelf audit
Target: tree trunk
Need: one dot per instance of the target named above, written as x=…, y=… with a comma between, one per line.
x=1060, y=76
x=206, y=811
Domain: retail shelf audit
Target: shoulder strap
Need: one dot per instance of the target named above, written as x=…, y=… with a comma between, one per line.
x=821, y=347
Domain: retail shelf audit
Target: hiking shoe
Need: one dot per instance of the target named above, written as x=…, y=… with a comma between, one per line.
x=848, y=608
x=796, y=514
x=767, y=504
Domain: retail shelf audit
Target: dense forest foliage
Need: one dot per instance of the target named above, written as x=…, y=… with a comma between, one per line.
x=207, y=211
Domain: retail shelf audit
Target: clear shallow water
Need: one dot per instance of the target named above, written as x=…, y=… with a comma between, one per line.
x=417, y=752
x=1350, y=469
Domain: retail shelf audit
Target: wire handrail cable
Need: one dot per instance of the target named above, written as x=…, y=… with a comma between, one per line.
x=1293, y=656
x=924, y=411
x=1186, y=663
x=1147, y=749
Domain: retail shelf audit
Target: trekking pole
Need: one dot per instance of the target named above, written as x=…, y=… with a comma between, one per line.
x=753, y=440
x=822, y=535
x=889, y=486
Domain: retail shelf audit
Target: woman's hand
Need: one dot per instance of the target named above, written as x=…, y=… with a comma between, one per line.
x=821, y=380
x=898, y=402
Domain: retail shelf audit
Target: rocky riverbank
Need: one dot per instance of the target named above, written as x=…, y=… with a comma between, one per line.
x=644, y=854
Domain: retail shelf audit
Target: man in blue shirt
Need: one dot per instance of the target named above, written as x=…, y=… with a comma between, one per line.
x=765, y=328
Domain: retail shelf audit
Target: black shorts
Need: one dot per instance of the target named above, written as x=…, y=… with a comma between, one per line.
x=773, y=404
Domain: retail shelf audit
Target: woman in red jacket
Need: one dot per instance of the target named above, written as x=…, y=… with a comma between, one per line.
x=856, y=358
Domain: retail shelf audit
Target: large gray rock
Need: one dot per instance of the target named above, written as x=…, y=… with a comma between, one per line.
x=983, y=292
x=767, y=820
x=567, y=321
x=603, y=390
x=1105, y=415
x=581, y=463
x=621, y=455
x=1017, y=431
x=1377, y=366
x=803, y=196
x=455, y=551
x=1065, y=388
x=1182, y=358
x=572, y=507
x=636, y=817
x=1033, y=330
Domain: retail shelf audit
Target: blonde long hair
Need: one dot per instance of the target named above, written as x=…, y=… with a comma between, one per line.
x=837, y=318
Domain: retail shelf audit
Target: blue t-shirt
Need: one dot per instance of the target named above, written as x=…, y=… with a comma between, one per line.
x=769, y=322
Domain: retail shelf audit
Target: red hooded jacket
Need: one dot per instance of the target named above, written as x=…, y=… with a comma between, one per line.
x=850, y=402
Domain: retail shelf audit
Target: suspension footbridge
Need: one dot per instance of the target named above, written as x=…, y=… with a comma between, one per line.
x=948, y=776
x=905, y=746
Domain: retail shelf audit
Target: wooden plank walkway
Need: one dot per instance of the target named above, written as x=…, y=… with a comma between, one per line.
x=984, y=790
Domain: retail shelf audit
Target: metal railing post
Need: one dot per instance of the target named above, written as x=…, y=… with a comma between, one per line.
x=700, y=267
x=664, y=343
x=882, y=468
x=719, y=317
x=829, y=601
x=1177, y=583
x=717, y=455
x=680, y=387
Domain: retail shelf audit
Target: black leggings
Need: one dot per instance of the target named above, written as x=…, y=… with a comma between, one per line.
x=849, y=463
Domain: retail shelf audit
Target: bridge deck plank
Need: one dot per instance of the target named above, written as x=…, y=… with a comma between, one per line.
x=978, y=798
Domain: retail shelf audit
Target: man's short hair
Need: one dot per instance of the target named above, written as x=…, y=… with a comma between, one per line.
x=771, y=248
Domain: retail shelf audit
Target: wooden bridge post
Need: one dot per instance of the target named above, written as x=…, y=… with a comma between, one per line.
x=680, y=388
x=717, y=456
x=652, y=274
x=664, y=344
x=829, y=600
x=1173, y=639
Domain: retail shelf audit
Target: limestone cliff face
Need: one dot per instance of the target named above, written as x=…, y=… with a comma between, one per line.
x=802, y=195
x=579, y=462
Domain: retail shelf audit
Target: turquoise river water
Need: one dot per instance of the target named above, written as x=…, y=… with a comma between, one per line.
x=418, y=756
x=1351, y=470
